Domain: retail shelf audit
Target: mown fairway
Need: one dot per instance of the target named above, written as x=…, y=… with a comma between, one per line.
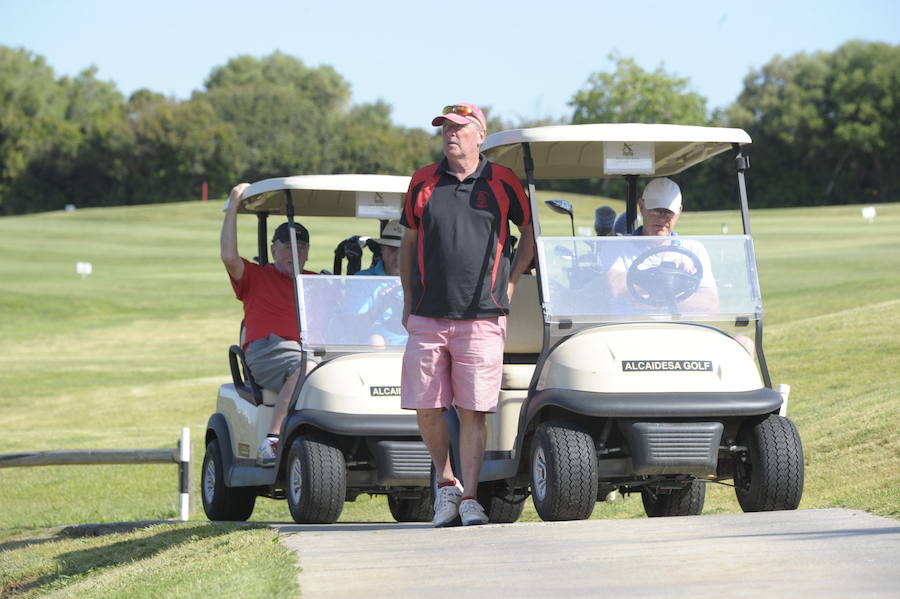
x=130, y=354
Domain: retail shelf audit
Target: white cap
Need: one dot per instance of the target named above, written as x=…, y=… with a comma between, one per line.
x=662, y=193
x=392, y=234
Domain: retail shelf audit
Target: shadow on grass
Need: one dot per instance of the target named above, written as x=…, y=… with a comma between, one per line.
x=75, y=563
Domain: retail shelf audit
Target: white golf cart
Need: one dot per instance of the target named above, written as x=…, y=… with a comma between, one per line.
x=635, y=363
x=345, y=433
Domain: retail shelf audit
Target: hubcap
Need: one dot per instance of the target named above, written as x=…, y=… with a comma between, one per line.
x=209, y=481
x=539, y=473
x=296, y=480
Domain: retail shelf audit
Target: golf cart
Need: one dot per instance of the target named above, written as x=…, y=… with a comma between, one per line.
x=345, y=433
x=617, y=377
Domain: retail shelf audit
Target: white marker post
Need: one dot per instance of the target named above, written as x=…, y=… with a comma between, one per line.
x=84, y=268
x=183, y=473
x=869, y=214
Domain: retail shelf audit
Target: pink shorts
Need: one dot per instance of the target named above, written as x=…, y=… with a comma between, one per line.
x=450, y=361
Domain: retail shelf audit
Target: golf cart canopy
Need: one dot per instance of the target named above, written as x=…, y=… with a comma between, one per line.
x=610, y=150
x=361, y=196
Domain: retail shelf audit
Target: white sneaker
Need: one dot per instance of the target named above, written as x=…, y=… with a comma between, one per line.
x=267, y=452
x=471, y=513
x=446, y=505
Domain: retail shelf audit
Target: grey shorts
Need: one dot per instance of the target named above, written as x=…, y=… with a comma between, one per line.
x=271, y=360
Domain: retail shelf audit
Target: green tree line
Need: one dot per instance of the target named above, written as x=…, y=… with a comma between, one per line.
x=825, y=128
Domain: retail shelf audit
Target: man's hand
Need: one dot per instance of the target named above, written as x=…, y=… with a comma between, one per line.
x=234, y=198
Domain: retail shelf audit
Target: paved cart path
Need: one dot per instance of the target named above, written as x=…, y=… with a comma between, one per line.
x=805, y=553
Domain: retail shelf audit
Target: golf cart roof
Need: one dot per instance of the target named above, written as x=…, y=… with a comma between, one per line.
x=577, y=151
x=326, y=195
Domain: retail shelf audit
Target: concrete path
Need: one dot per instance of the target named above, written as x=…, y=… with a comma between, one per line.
x=807, y=553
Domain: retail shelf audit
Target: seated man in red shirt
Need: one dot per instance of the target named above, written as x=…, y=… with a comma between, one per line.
x=271, y=340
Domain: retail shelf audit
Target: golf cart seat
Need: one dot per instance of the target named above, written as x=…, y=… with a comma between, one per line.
x=524, y=335
x=242, y=378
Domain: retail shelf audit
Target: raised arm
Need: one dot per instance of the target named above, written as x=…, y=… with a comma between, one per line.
x=228, y=239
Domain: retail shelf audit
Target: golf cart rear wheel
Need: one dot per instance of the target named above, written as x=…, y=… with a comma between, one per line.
x=563, y=471
x=501, y=506
x=415, y=509
x=769, y=476
x=316, y=480
x=221, y=502
x=687, y=501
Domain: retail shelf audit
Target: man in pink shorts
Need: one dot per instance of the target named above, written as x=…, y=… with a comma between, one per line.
x=457, y=279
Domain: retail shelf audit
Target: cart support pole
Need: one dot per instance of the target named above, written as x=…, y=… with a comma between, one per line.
x=184, y=468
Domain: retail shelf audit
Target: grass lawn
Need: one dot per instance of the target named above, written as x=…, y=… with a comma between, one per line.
x=125, y=357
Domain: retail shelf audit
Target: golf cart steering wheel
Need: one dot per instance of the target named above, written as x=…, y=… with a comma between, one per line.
x=664, y=284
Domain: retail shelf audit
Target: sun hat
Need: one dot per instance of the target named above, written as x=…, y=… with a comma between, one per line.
x=662, y=193
x=391, y=235
x=461, y=113
x=281, y=233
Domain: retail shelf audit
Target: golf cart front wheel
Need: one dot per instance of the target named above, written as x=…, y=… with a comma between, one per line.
x=500, y=504
x=564, y=472
x=687, y=501
x=769, y=476
x=316, y=480
x=221, y=502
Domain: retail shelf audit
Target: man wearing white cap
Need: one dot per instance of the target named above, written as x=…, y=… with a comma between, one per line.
x=660, y=207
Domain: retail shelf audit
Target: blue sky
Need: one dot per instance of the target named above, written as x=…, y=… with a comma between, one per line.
x=524, y=59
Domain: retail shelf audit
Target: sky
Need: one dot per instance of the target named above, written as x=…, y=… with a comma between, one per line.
x=524, y=59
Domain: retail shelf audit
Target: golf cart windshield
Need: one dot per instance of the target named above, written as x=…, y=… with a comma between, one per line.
x=632, y=279
x=356, y=313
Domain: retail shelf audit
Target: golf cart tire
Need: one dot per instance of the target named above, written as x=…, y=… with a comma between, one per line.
x=564, y=472
x=411, y=509
x=687, y=501
x=316, y=480
x=500, y=509
x=770, y=476
x=231, y=504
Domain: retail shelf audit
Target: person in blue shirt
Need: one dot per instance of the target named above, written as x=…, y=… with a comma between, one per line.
x=389, y=242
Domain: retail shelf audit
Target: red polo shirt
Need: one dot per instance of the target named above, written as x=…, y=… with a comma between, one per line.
x=463, y=254
x=269, y=305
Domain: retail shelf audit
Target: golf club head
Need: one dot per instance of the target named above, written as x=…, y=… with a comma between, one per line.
x=604, y=221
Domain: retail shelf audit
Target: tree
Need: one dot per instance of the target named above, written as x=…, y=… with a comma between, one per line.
x=284, y=114
x=630, y=94
x=825, y=126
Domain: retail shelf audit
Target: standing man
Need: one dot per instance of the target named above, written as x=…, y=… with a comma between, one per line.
x=272, y=343
x=457, y=281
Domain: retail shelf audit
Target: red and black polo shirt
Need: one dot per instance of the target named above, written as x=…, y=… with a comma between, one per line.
x=463, y=249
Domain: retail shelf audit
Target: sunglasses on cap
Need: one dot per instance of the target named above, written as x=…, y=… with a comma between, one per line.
x=458, y=109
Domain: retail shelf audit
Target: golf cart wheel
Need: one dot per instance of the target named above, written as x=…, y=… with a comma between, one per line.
x=769, y=476
x=687, y=501
x=501, y=506
x=416, y=509
x=221, y=502
x=563, y=471
x=316, y=480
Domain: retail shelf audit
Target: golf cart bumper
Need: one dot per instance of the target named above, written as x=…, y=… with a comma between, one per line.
x=401, y=458
x=658, y=405
x=666, y=433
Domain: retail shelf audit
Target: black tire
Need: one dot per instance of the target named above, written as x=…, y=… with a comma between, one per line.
x=687, y=501
x=234, y=504
x=501, y=506
x=411, y=509
x=315, y=480
x=769, y=476
x=563, y=472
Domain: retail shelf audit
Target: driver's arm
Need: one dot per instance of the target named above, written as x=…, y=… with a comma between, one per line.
x=228, y=238
x=524, y=256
